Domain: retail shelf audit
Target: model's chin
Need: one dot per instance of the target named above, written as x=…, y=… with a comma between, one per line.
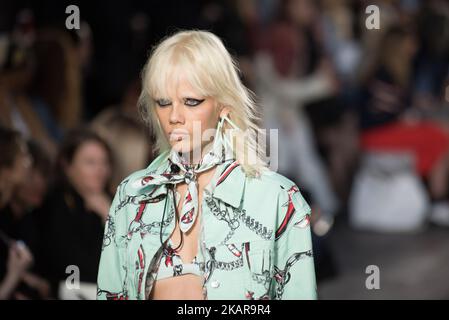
x=185, y=147
x=181, y=146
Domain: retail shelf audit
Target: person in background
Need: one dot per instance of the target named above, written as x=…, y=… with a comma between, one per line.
x=17, y=71
x=55, y=89
x=292, y=72
x=29, y=196
x=15, y=257
x=71, y=221
x=389, y=119
x=125, y=134
x=129, y=143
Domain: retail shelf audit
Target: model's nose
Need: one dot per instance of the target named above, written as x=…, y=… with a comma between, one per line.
x=176, y=115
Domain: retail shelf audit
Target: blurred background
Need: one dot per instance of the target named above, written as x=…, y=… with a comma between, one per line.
x=362, y=114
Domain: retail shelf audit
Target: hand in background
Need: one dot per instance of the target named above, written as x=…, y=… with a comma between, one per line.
x=327, y=69
x=37, y=283
x=98, y=203
x=19, y=259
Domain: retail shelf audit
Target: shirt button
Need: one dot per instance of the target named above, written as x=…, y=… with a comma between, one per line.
x=215, y=284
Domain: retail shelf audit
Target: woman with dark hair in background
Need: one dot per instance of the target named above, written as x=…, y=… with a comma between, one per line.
x=73, y=215
x=15, y=258
x=31, y=192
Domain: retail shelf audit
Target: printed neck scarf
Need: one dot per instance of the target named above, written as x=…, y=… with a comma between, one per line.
x=181, y=171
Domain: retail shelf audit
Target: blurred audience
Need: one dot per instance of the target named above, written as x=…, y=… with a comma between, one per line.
x=126, y=135
x=30, y=194
x=17, y=281
x=355, y=108
x=388, y=117
x=55, y=90
x=71, y=220
x=292, y=71
x=16, y=76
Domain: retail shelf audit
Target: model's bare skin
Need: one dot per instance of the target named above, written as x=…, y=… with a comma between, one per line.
x=180, y=109
x=188, y=286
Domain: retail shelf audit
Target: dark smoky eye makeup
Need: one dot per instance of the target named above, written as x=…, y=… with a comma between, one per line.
x=162, y=102
x=192, y=102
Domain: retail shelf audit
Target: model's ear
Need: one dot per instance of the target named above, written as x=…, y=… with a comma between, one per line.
x=225, y=110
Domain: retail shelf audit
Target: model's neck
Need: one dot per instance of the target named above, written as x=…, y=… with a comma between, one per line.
x=194, y=157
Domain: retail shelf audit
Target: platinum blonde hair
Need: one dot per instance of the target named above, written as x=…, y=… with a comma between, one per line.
x=202, y=57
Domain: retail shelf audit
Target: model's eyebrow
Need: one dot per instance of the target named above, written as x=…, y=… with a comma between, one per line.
x=192, y=96
x=184, y=97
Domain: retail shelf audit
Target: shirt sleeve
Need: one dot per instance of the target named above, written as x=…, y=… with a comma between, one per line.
x=110, y=274
x=294, y=271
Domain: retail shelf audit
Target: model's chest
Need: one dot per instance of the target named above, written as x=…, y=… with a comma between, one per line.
x=255, y=218
x=236, y=243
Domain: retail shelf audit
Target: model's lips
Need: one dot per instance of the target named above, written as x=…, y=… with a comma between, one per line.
x=177, y=135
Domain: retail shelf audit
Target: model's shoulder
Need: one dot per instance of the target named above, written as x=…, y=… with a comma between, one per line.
x=154, y=167
x=280, y=187
x=124, y=184
x=269, y=178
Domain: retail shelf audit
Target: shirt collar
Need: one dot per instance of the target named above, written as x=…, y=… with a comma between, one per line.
x=229, y=186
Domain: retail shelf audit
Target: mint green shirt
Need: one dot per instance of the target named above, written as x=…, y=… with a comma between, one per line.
x=255, y=238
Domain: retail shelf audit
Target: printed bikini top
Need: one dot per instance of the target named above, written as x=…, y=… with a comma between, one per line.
x=171, y=264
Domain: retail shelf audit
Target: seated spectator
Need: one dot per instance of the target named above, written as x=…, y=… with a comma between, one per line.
x=71, y=221
x=31, y=192
x=390, y=127
x=386, y=119
x=15, y=258
x=28, y=196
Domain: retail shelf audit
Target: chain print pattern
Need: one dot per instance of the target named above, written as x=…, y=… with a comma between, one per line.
x=228, y=266
x=151, y=275
x=256, y=226
x=264, y=277
x=123, y=295
x=110, y=232
x=233, y=222
x=282, y=276
x=213, y=264
x=128, y=199
x=224, y=215
x=143, y=228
